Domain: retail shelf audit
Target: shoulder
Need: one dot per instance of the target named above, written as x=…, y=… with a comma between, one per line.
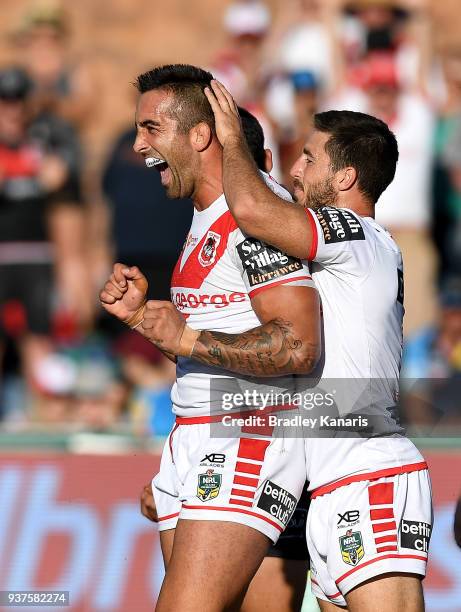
x=339, y=224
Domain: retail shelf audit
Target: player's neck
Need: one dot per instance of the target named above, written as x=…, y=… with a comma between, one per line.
x=209, y=185
x=359, y=205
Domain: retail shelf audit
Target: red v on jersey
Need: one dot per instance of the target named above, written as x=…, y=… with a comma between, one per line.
x=201, y=261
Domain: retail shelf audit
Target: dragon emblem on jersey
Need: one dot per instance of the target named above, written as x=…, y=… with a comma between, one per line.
x=351, y=546
x=209, y=485
x=208, y=251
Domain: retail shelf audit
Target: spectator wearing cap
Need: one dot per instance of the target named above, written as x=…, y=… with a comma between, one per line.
x=41, y=222
x=238, y=65
x=304, y=38
x=431, y=372
x=404, y=208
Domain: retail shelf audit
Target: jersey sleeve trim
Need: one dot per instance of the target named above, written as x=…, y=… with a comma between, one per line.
x=315, y=237
x=284, y=281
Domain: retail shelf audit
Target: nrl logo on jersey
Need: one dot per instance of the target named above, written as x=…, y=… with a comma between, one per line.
x=351, y=546
x=209, y=485
x=208, y=251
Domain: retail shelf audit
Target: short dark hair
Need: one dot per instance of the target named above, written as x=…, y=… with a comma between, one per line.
x=254, y=136
x=363, y=142
x=187, y=84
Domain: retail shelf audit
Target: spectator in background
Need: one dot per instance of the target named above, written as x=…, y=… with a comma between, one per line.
x=41, y=223
x=451, y=159
x=447, y=171
x=431, y=371
x=303, y=39
x=60, y=86
x=150, y=376
x=304, y=102
x=240, y=65
x=404, y=207
x=399, y=26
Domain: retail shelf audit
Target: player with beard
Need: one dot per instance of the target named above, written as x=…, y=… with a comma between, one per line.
x=370, y=518
x=221, y=500
x=371, y=504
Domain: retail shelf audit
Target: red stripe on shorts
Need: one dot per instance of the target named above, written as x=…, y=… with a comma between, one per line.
x=386, y=538
x=252, y=449
x=244, y=480
x=390, y=526
x=241, y=502
x=165, y=518
x=248, y=468
x=382, y=493
x=381, y=513
x=391, y=556
x=243, y=493
x=334, y=596
x=381, y=549
x=223, y=509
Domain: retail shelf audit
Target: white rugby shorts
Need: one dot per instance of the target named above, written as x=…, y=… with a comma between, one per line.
x=367, y=528
x=255, y=480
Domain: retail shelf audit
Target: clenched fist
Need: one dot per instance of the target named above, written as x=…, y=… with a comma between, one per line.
x=163, y=325
x=124, y=294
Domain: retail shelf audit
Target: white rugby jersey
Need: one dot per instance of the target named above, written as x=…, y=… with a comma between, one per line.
x=218, y=272
x=357, y=269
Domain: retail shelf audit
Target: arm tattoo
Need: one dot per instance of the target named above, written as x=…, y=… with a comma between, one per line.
x=268, y=350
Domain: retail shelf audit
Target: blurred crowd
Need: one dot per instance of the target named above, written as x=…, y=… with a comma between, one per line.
x=65, y=365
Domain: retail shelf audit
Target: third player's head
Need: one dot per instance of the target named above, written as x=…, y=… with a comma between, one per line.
x=175, y=124
x=347, y=155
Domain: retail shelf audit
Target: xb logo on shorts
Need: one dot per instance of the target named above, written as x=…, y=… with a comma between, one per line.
x=350, y=517
x=351, y=546
x=208, y=485
x=207, y=253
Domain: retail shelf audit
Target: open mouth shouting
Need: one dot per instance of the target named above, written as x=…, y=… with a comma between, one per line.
x=162, y=167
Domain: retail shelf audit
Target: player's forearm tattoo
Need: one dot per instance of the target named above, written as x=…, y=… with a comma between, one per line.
x=269, y=350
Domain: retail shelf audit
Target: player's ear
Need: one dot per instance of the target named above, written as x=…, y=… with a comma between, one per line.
x=268, y=161
x=200, y=136
x=346, y=178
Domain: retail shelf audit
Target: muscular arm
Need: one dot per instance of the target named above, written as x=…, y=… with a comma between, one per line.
x=257, y=210
x=287, y=342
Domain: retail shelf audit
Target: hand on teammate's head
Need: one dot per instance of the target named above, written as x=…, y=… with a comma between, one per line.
x=227, y=119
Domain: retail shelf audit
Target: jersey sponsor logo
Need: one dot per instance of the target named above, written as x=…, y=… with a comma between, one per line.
x=215, y=460
x=349, y=518
x=277, y=502
x=208, y=485
x=264, y=263
x=339, y=225
x=208, y=251
x=184, y=300
x=415, y=535
x=351, y=546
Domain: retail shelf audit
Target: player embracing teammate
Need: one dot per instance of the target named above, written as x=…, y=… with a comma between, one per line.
x=370, y=519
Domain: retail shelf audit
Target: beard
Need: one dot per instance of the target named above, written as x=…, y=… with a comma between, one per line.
x=322, y=193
